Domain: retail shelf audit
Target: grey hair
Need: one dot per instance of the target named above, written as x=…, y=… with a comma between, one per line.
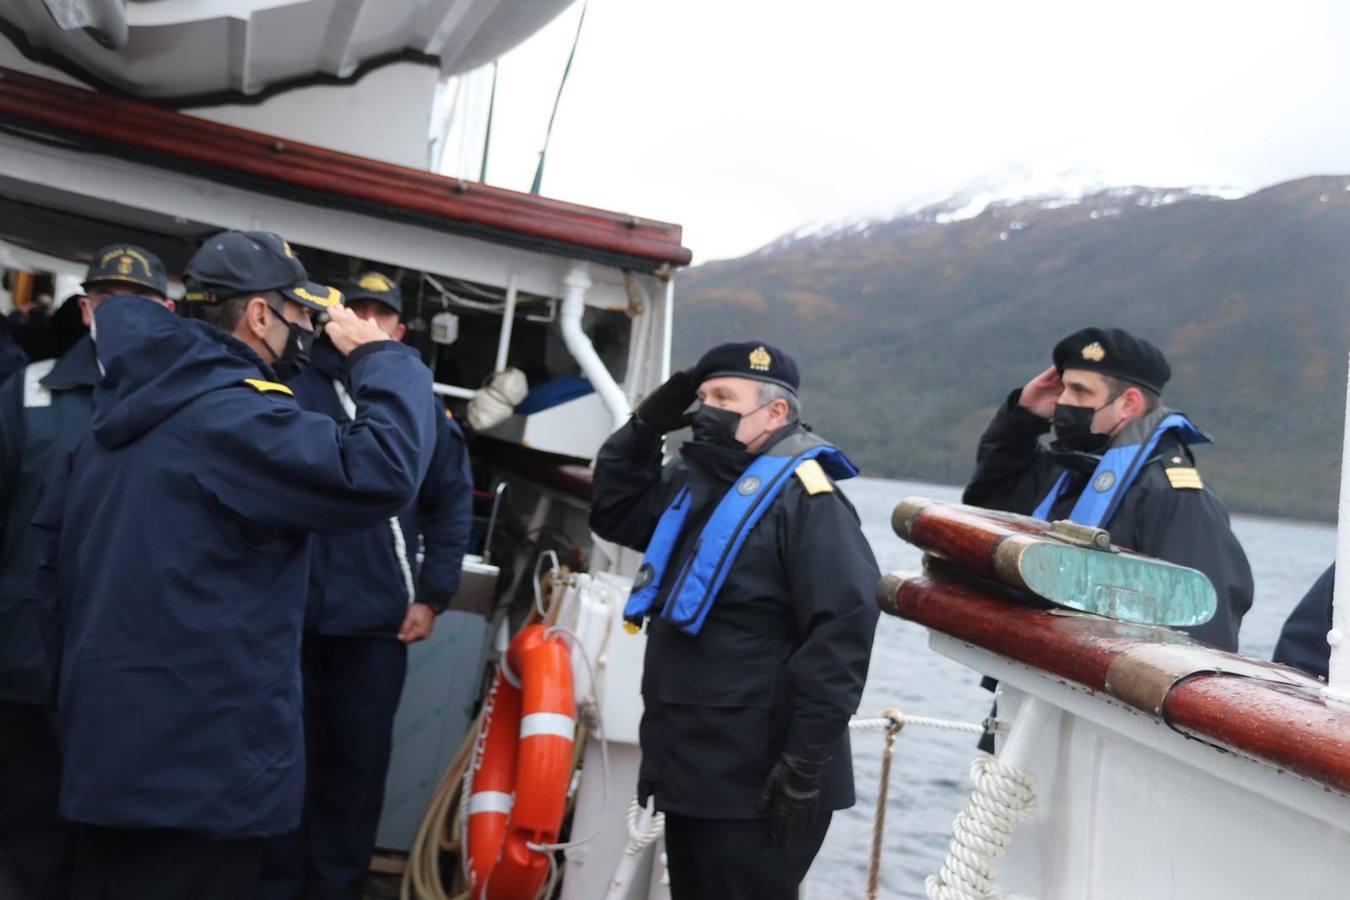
x=769, y=392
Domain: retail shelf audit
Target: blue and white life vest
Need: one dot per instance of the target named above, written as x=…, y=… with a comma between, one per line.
x=1118, y=469
x=700, y=578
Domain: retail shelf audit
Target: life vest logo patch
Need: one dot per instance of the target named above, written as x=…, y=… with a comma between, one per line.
x=1103, y=482
x=748, y=486
x=645, y=574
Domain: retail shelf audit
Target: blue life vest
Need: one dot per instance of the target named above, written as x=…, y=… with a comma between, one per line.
x=1118, y=469
x=701, y=577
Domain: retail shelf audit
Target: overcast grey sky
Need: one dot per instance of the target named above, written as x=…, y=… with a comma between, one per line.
x=744, y=119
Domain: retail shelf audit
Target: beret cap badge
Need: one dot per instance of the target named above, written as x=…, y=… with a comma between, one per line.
x=1094, y=352
x=760, y=360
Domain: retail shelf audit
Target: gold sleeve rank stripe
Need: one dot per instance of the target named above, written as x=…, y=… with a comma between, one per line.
x=268, y=387
x=1184, y=479
x=813, y=478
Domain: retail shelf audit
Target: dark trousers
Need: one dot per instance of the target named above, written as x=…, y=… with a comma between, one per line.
x=37, y=847
x=735, y=860
x=118, y=864
x=352, y=687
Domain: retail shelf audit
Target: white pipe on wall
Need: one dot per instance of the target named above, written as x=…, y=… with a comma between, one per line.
x=508, y=322
x=575, y=284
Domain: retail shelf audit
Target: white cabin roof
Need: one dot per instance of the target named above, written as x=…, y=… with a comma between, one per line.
x=196, y=51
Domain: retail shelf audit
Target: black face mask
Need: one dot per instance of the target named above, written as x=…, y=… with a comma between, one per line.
x=716, y=427
x=1073, y=428
x=294, y=356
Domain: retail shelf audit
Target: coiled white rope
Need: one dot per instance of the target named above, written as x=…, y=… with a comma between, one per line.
x=981, y=833
x=1003, y=796
x=640, y=839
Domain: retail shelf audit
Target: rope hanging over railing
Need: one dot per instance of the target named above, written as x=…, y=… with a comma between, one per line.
x=895, y=721
x=892, y=721
x=1003, y=796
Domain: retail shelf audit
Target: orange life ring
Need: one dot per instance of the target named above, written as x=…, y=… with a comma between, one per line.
x=521, y=769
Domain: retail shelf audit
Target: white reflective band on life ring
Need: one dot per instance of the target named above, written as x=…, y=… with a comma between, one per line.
x=490, y=802
x=555, y=724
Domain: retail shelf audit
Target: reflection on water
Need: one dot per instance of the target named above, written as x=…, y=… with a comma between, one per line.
x=929, y=780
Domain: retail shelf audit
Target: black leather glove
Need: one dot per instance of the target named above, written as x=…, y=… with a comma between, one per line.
x=663, y=409
x=791, y=798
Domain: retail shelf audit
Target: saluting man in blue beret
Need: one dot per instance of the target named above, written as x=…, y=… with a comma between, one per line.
x=44, y=413
x=1120, y=460
x=180, y=541
x=756, y=590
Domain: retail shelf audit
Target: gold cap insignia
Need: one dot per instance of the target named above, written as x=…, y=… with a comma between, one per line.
x=286, y=246
x=1094, y=352
x=332, y=298
x=124, y=265
x=374, y=281
x=760, y=360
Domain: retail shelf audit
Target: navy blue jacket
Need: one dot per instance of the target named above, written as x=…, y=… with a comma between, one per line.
x=181, y=549
x=1303, y=639
x=44, y=412
x=357, y=585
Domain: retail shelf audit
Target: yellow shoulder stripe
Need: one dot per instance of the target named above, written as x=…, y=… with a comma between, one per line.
x=813, y=478
x=1187, y=479
x=268, y=387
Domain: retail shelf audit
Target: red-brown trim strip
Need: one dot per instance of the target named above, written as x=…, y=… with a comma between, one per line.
x=1286, y=725
x=223, y=151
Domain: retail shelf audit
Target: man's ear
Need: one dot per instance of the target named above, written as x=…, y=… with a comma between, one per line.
x=400, y=332
x=1133, y=404
x=779, y=410
x=255, y=316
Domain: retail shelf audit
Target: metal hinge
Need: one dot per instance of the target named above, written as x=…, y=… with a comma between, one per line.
x=1082, y=535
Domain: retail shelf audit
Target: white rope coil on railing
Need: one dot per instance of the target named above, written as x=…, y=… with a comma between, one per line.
x=1003, y=796
x=892, y=721
x=641, y=838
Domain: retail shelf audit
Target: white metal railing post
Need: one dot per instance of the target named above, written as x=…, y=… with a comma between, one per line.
x=1338, y=668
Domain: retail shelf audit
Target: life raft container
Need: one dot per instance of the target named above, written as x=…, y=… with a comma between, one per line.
x=521, y=769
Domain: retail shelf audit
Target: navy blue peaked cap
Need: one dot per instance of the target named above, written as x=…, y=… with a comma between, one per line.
x=235, y=263
x=129, y=263
x=375, y=286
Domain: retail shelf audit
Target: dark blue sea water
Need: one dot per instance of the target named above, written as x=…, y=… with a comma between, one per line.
x=929, y=776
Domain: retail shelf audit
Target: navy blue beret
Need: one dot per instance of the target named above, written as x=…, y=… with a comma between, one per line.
x=1116, y=352
x=749, y=359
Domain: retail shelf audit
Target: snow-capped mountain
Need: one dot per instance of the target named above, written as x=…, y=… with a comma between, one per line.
x=1017, y=198
x=912, y=327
